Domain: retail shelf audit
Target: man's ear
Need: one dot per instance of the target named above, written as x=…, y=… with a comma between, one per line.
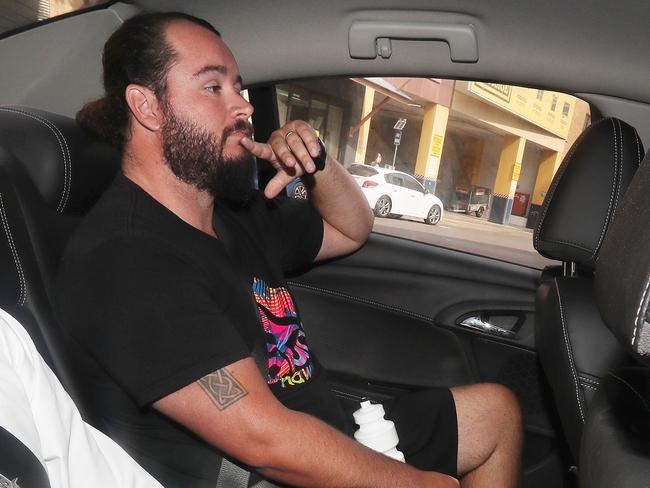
x=144, y=106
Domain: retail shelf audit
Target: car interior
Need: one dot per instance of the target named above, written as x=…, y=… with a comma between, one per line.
x=572, y=341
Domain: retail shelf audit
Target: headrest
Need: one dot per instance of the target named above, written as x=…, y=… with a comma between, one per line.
x=623, y=272
x=586, y=191
x=69, y=168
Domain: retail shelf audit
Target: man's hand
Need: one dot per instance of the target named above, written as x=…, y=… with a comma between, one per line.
x=347, y=218
x=290, y=150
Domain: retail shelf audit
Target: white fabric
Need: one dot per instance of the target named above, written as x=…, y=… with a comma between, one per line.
x=35, y=408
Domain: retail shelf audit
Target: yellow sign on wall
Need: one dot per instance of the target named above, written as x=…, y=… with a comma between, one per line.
x=516, y=171
x=550, y=110
x=436, y=147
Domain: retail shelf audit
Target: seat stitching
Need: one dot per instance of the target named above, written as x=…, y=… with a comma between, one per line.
x=587, y=385
x=645, y=404
x=638, y=147
x=618, y=161
x=556, y=181
x=637, y=322
x=67, y=159
x=14, y=252
x=574, y=244
x=67, y=162
x=589, y=380
x=569, y=354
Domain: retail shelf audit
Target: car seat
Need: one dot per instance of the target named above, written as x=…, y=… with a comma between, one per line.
x=50, y=175
x=574, y=346
x=615, y=448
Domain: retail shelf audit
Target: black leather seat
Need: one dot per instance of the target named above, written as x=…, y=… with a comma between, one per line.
x=615, y=447
x=574, y=346
x=50, y=175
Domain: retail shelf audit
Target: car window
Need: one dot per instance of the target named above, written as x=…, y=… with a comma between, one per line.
x=14, y=15
x=362, y=170
x=412, y=184
x=394, y=179
x=486, y=151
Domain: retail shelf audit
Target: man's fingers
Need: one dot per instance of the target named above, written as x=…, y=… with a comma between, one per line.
x=283, y=151
x=277, y=184
x=309, y=139
x=298, y=147
x=258, y=149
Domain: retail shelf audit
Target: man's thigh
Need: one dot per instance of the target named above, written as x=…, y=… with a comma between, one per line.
x=427, y=429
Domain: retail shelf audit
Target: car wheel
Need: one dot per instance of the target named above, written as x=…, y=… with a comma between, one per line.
x=433, y=217
x=383, y=206
x=299, y=191
x=479, y=212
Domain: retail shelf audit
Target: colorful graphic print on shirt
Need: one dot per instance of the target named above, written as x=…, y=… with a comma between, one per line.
x=286, y=346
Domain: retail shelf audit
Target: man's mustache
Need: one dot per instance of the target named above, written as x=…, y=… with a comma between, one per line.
x=239, y=126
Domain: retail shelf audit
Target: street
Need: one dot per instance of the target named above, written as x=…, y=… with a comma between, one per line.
x=469, y=234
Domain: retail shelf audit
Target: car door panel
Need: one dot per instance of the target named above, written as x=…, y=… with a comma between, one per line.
x=396, y=194
x=385, y=320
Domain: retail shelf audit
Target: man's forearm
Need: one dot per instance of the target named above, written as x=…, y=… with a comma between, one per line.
x=313, y=454
x=339, y=200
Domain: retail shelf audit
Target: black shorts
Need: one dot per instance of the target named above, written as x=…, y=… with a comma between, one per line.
x=427, y=428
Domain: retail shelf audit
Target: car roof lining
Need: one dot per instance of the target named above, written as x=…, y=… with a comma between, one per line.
x=601, y=55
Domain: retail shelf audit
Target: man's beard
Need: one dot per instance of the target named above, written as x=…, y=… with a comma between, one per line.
x=196, y=157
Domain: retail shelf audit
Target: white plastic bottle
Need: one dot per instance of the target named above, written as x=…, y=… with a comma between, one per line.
x=375, y=431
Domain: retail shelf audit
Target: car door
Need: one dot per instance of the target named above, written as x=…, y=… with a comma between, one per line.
x=400, y=315
x=397, y=192
x=415, y=200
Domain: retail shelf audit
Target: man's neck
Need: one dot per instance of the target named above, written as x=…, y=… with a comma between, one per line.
x=154, y=176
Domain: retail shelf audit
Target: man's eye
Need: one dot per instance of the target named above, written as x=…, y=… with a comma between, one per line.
x=213, y=88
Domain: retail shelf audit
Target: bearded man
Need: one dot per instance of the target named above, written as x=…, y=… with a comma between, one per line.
x=190, y=344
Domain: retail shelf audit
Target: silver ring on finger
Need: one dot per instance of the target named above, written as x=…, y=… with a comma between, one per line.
x=286, y=136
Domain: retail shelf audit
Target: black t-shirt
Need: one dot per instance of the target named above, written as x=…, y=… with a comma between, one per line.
x=153, y=304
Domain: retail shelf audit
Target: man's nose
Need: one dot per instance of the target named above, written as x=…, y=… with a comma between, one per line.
x=242, y=107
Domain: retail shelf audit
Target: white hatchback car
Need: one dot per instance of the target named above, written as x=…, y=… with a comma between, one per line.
x=391, y=192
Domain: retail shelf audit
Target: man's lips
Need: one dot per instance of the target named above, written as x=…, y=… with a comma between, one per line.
x=239, y=134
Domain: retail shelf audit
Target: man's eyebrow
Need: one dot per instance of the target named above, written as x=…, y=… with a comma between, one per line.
x=219, y=68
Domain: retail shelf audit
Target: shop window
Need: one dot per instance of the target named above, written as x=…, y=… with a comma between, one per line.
x=465, y=159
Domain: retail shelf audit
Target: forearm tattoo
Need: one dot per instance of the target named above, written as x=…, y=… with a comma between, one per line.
x=222, y=388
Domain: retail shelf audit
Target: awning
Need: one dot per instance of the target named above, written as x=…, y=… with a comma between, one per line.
x=388, y=89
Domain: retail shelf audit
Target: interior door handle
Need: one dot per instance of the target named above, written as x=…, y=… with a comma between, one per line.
x=478, y=323
x=369, y=38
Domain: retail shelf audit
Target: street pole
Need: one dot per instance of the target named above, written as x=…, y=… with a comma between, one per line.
x=394, y=156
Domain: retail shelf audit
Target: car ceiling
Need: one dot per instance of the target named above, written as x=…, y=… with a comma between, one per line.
x=594, y=48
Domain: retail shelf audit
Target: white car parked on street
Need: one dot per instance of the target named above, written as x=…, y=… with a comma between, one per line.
x=391, y=192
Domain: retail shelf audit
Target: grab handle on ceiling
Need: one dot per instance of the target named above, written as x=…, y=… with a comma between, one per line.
x=370, y=38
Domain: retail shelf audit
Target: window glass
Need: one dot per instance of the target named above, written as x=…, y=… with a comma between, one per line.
x=25, y=12
x=394, y=179
x=362, y=170
x=486, y=151
x=412, y=184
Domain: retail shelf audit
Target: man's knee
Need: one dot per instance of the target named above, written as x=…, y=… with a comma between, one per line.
x=503, y=398
x=497, y=403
